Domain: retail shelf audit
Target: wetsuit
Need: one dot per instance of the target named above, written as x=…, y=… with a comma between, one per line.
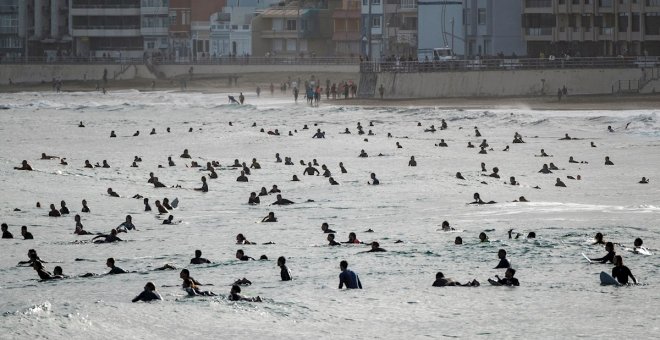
x=6, y=234
x=504, y=263
x=376, y=250
x=310, y=170
x=242, y=178
x=64, y=210
x=621, y=274
x=108, y=239
x=334, y=243
x=245, y=258
x=509, y=282
x=199, y=260
x=254, y=200
x=85, y=209
x=26, y=236
x=607, y=258
x=375, y=182
x=116, y=270
x=127, y=226
x=274, y=191
x=350, y=279
x=147, y=296
x=54, y=213
x=283, y=201
x=285, y=274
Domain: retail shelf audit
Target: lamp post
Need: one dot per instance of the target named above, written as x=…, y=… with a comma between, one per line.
x=369, y=33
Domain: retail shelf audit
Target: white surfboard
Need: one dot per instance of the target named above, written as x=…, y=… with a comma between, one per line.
x=586, y=257
x=607, y=279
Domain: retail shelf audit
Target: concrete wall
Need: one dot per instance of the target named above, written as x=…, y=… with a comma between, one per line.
x=46, y=72
x=502, y=83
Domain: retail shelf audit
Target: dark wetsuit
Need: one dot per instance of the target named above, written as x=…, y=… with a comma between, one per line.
x=147, y=296
x=621, y=274
x=85, y=209
x=607, y=258
x=377, y=250
x=283, y=201
x=504, y=263
x=116, y=270
x=245, y=258
x=334, y=243
x=6, y=234
x=199, y=260
x=64, y=210
x=242, y=178
x=310, y=170
x=350, y=279
x=509, y=282
x=54, y=213
x=26, y=236
x=284, y=273
x=254, y=200
x=375, y=182
x=108, y=239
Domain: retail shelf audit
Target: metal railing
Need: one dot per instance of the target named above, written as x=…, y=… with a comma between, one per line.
x=508, y=64
x=224, y=60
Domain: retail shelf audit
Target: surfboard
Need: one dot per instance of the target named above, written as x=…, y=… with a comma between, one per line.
x=586, y=257
x=640, y=250
x=175, y=203
x=607, y=279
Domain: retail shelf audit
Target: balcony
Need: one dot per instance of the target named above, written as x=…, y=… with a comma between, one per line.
x=539, y=33
x=154, y=10
x=106, y=31
x=106, y=11
x=272, y=34
x=154, y=30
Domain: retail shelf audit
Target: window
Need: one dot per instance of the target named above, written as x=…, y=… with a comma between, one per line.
x=291, y=44
x=291, y=25
x=172, y=17
x=375, y=2
x=375, y=22
x=487, y=50
x=481, y=16
x=150, y=45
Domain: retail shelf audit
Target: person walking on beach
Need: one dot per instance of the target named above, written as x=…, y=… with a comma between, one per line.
x=381, y=91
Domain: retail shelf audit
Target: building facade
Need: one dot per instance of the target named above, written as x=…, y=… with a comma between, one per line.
x=591, y=28
x=11, y=43
x=492, y=28
x=231, y=29
x=371, y=32
x=400, y=27
x=155, y=26
x=346, y=28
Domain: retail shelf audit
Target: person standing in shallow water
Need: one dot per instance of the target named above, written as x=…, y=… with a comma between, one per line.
x=348, y=278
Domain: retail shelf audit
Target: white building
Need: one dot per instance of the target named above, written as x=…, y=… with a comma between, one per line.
x=231, y=29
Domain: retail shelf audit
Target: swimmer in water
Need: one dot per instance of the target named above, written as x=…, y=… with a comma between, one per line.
x=254, y=199
x=609, y=257
x=352, y=239
x=126, y=225
x=331, y=240
x=263, y=192
x=521, y=199
x=148, y=294
x=240, y=254
x=112, y=193
x=609, y=128
x=621, y=272
x=483, y=167
x=412, y=161
x=326, y=228
x=319, y=134
x=593, y=145
x=375, y=248
x=79, y=227
x=235, y=295
x=190, y=285
x=169, y=220
x=504, y=263
x=277, y=158
x=545, y=170
x=326, y=171
x=446, y=227
x=459, y=176
x=43, y=274
x=363, y=154
x=32, y=257
x=552, y=166
x=506, y=148
x=110, y=263
x=185, y=154
x=242, y=177
x=512, y=181
x=158, y=184
x=470, y=145
x=483, y=237
x=198, y=259
x=458, y=240
x=240, y=239
x=608, y=161
x=348, y=278
x=441, y=281
x=341, y=167
x=644, y=181
x=495, y=173
x=332, y=181
x=398, y=146
x=5, y=231
x=24, y=232
x=53, y=211
x=598, y=239
x=270, y=218
x=430, y=129
x=170, y=162
x=24, y=166
x=281, y=201
x=566, y=137
x=477, y=200
x=543, y=154
x=137, y=133
x=85, y=208
x=476, y=132
x=204, y=187
x=285, y=274
x=374, y=180
x=508, y=279
x=274, y=190
x=112, y=134
x=483, y=151
x=559, y=183
x=161, y=209
x=63, y=209
x=442, y=144
x=44, y=156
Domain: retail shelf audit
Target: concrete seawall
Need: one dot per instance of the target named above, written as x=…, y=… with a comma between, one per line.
x=36, y=73
x=513, y=82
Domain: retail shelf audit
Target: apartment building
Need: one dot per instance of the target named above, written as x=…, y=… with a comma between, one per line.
x=110, y=28
x=400, y=27
x=371, y=28
x=200, y=25
x=297, y=28
x=591, y=28
x=231, y=29
x=154, y=26
x=346, y=28
x=11, y=43
x=43, y=26
x=492, y=28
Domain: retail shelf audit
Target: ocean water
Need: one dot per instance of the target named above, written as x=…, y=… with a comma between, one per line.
x=560, y=294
